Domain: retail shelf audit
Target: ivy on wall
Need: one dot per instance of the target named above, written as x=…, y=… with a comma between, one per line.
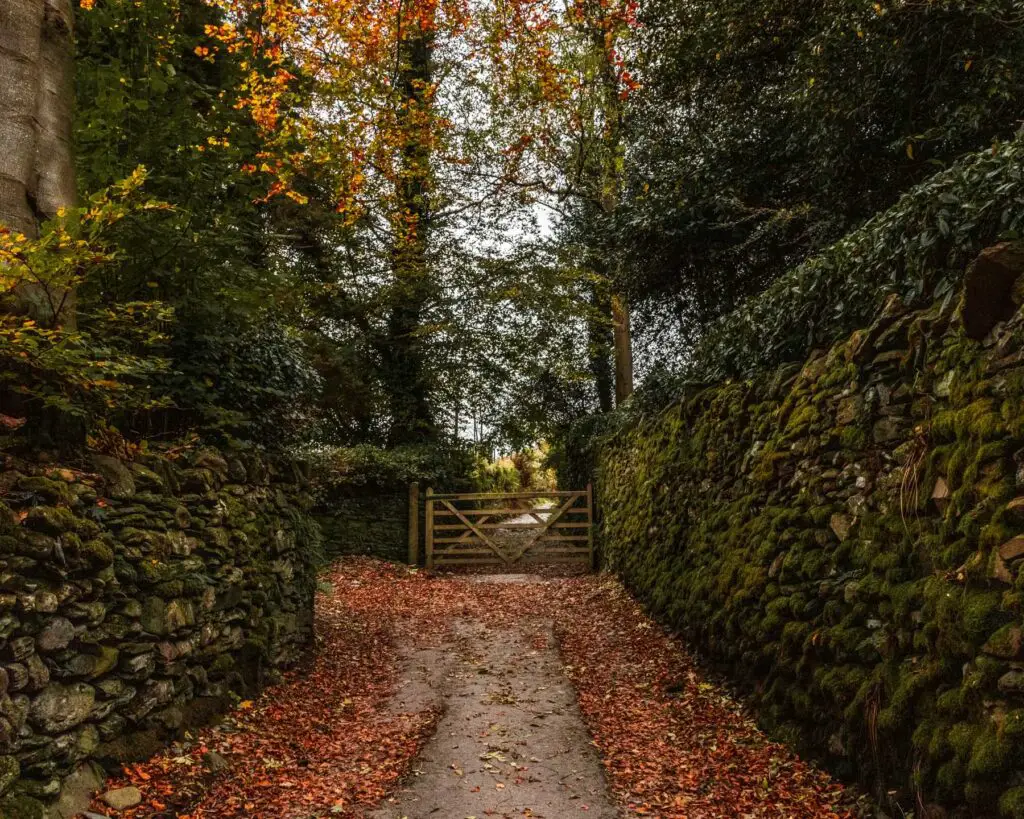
x=917, y=249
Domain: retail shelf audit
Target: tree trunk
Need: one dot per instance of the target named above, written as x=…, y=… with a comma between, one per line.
x=600, y=345
x=618, y=310
x=623, y=349
x=609, y=194
x=405, y=378
x=37, y=175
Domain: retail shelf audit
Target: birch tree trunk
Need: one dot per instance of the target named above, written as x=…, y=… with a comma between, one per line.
x=36, y=90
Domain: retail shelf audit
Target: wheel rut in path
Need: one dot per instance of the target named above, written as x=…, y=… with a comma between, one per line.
x=510, y=742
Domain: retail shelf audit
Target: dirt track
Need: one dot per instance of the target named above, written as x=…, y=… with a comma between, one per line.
x=511, y=741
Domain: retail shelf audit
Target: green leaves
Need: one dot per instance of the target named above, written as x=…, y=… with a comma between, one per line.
x=343, y=469
x=917, y=249
x=59, y=354
x=767, y=130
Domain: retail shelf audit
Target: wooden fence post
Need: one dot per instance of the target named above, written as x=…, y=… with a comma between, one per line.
x=428, y=526
x=590, y=523
x=414, y=524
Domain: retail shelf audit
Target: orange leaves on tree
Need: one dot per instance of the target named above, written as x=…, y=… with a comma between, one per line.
x=324, y=83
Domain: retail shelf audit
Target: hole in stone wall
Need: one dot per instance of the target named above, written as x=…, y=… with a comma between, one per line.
x=989, y=288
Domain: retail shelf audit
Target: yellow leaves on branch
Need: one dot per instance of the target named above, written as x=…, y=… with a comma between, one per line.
x=75, y=242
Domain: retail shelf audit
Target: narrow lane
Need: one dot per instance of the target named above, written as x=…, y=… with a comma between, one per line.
x=487, y=696
x=511, y=742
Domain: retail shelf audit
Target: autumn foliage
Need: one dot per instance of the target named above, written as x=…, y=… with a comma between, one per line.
x=323, y=85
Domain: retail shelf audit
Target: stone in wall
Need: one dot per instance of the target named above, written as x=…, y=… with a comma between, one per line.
x=135, y=600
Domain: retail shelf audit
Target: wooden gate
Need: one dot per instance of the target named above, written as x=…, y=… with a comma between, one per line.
x=485, y=529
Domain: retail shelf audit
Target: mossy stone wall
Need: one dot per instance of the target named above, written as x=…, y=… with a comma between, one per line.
x=136, y=599
x=365, y=521
x=845, y=539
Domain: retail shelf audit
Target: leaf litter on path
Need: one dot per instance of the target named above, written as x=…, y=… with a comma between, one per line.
x=325, y=743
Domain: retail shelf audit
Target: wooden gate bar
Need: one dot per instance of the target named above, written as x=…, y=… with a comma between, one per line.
x=478, y=533
x=502, y=511
x=552, y=519
x=468, y=534
x=590, y=521
x=505, y=496
x=565, y=524
x=414, y=524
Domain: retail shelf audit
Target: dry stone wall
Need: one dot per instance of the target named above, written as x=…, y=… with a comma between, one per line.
x=136, y=599
x=845, y=538
x=365, y=521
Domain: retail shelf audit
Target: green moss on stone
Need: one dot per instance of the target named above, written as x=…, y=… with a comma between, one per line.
x=980, y=614
x=18, y=806
x=990, y=755
x=49, y=490
x=1011, y=803
x=10, y=769
x=96, y=553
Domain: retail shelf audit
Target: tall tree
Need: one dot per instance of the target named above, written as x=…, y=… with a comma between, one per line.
x=600, y=338
x=603, y=24
x=400, y=122
x=37, y=172
x=578, y=159
x=412, y=419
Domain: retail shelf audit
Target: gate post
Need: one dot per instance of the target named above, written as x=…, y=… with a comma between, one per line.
x=414, y=524
x=590, y=523
x=428, y=526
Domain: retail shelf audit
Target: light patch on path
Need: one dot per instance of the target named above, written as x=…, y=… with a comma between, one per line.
x=511, y=741
x=505, y=578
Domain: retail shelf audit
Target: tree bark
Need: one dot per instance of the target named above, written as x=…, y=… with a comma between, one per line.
x=618, y=307
x=405, y=378
x=37, y=173
x=36, y=168
x=610, y=185
x=600, y=345
x=623, y=349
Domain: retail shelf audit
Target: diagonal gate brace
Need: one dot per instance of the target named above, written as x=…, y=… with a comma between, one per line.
x=469, y=524
x=552, y=519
